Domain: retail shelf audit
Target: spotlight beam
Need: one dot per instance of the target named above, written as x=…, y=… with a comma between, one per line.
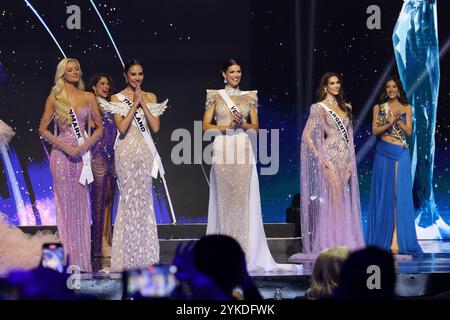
x=45, y=26
x=107, y=31
x=369, y=102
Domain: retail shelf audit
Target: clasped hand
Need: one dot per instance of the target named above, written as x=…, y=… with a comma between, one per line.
x=237, y=120
x=393, y=117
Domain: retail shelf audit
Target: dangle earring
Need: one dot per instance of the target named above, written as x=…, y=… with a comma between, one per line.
x=325, y=90
x=224, y=80
x=398, y=94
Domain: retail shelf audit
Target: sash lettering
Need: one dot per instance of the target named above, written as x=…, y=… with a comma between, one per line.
x=86, y=176
x=228, y=101
x=139, y=122
x=339, y=123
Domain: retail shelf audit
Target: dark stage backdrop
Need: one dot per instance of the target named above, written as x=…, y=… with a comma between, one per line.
x=284, y=48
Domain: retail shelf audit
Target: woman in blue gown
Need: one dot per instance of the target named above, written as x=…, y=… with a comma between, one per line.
x=390, y=224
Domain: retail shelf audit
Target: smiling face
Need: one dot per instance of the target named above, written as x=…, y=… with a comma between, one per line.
x=334, y=86
x=102, y=87
x=72, y=74
x=391, y=89
x=233, y=75
x=135, y=76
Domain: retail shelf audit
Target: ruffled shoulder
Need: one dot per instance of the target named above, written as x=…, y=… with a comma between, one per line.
x=211, y=96
x=252, y=99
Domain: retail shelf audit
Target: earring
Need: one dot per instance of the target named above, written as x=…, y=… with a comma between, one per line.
x=398, y=94
x=224, y=80
x=385, y=96
x=325, y=90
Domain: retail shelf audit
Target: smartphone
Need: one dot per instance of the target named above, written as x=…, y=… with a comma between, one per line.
x=157, y=281
x=53, y=256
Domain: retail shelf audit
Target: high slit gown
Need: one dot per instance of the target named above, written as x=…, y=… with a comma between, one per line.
x=391, y=201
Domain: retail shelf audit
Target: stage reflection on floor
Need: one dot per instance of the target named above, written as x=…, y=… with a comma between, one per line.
x=417, y=275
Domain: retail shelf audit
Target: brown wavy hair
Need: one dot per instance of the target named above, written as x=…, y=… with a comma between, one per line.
x=96, y=78
x=340, y=98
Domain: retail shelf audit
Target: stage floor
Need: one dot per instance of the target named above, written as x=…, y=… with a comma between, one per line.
x=417, y=275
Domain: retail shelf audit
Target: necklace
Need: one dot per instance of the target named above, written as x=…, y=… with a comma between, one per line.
x=331, y=100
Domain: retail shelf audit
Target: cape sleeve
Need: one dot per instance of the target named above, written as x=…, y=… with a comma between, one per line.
x=312, y=183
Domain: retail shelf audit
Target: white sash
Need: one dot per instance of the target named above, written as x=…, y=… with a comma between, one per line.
x=228, y=101
x=86, y=173
x=139, y=122
x=338, y=121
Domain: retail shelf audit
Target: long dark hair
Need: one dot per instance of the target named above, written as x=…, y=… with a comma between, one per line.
x=131, y=63
x=96, y=78
x=402, y=98
x=340, y=98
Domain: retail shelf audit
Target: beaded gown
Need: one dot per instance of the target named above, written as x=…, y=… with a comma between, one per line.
x=135, y=237
x=103, y=188
x=72, y=200
x=234, y=199
x=330, y=205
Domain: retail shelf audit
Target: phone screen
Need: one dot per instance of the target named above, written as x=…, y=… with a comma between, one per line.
x=53, y=256
x=152, y=282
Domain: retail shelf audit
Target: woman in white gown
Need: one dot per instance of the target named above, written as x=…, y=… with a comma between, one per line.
x=17, y=249
x=135, y=237
x=234, y=200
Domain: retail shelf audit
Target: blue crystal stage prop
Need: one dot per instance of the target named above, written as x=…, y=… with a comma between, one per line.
x=416, y=50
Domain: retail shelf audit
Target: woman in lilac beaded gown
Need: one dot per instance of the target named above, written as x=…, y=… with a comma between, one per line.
x=330, y=205
x=104, y=186
x=72, y=110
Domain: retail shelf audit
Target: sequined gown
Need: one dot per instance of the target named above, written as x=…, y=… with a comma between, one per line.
x=103, y=187
x=234, y=200
x=72, y=200
x=135, y=237
x=330, y=203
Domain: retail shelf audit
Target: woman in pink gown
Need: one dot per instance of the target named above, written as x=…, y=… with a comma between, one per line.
x=70, y=157
x=330, y=205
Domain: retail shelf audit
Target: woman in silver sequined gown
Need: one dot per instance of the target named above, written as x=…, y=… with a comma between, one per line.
x=234, y=200
x=135, y=237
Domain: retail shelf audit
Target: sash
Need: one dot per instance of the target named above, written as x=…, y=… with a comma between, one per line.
x=339, y=123
x=228, y=101
x=138, y=121
x=395, y=127
x=86, y=173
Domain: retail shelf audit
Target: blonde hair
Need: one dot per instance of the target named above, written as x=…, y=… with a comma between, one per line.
x=327, y=271
x=62, y=104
